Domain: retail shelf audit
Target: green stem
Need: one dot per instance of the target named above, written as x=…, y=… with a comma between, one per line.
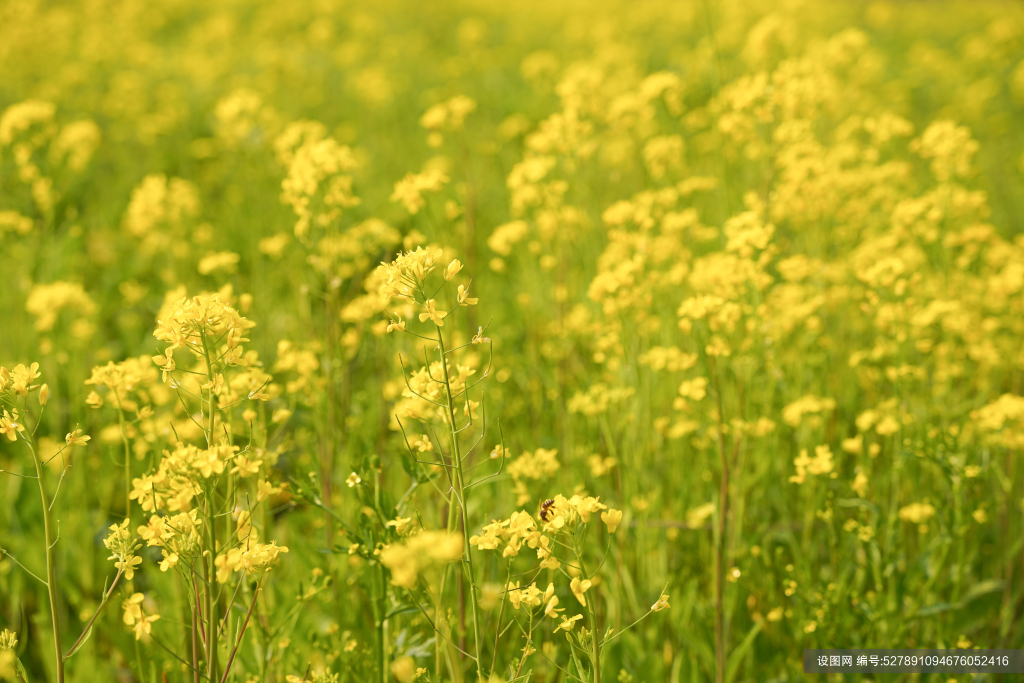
x=723, y=514
x=51, y=569
x=382, y=648
x=460, y=481
x=591, y=606
x=210, y=568
x=596, y=644
x=92, y=620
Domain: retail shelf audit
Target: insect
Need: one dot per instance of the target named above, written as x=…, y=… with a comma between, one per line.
x=545, y=508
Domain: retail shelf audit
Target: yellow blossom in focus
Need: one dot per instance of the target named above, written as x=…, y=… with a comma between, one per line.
x=612, y=518
x=579, y=588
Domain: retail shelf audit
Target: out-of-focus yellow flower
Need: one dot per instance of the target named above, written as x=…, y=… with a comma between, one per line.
x=424, y=550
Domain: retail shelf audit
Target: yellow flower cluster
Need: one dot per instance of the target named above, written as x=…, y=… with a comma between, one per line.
x=134, y=616
x=177, y=536
x=403, y=277
x=821, y=463
x=46, y=302
x=541, y=464
x=256, y=559
x=446, y=116
x=122, y=547
x=409, y=190
x=418, y=553
x=560, y=515
x=197, y=324
x=42, y=149
x=319, y=184
x=160, y=210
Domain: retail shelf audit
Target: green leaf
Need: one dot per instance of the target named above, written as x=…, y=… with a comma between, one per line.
x=937, y=608
x=741, y=651
x=973, y=593
x=401, y=609
x=982, y=588
x=88, y=635
x=19, y=670
x=857, y=503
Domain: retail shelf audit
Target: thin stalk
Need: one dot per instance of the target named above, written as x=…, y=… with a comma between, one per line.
x=127, y=458
x=457, y=458
x=210, y=568
x=51, y=569
x=723, y=514
x=92, y=620
x=592, y=613
x=241, y=632
x=209, y=571
x=195, y=645
x=381, y=611
x=497, y=628
x=138, y=660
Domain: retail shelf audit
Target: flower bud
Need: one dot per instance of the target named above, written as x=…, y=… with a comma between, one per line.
x=44, y=394
x=453, y=268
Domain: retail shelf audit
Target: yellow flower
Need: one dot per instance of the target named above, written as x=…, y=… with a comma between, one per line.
x=132, y=608
x=515, y=596
x=8, y=640
x=695, y=389
x=264, y=489
x=245, y=467
x=551, y=609
x=352, y=480
x=568, y=623
x=401, y=525
x=128, y=565
x=452, y=270
x=612, y=518
x=404, y=668
x=44, y=394
x=95, y=400
x=431, y=312
x=169, y=560
x=76, y=438
x=579, y=588
x=464, y=298
x=661, y=604
x=916, y=513
x=400, y=326
x=7, y=665
x=426, y=549
x=9, y=425
x=145, y=625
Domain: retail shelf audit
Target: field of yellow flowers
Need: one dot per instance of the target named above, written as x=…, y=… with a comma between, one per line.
x=473, y=342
